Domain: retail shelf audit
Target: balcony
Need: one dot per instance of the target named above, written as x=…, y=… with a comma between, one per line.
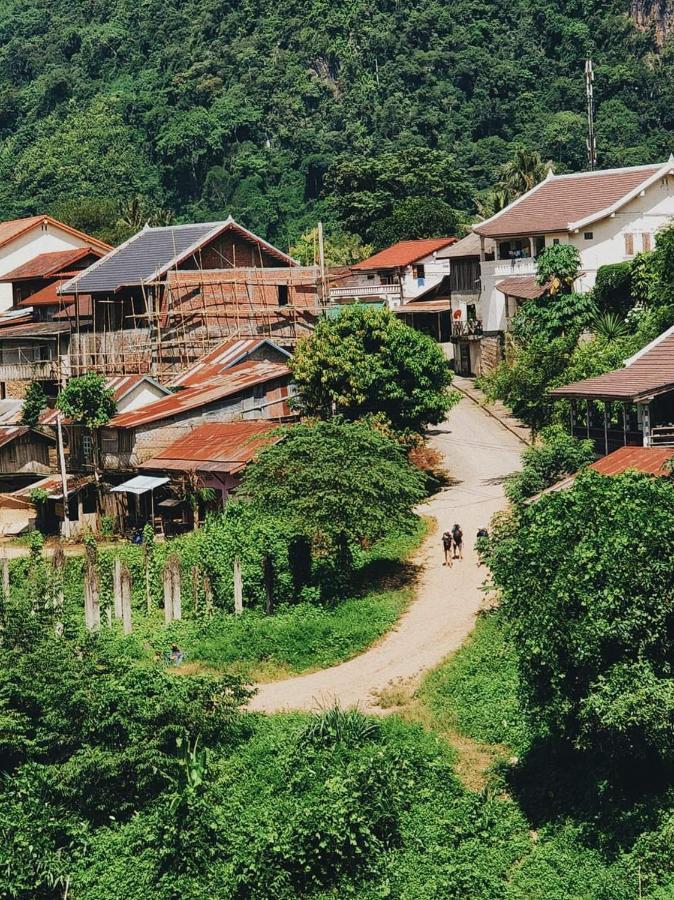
x=471, y=330
x=365, y=290
x=29, y=371
x=502, y=268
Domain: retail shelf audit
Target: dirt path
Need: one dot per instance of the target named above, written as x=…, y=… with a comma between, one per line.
x=479, y=452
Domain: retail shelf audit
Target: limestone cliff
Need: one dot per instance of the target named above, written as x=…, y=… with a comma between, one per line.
x=656, y=14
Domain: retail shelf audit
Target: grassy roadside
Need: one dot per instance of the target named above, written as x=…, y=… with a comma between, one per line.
x=305, y=637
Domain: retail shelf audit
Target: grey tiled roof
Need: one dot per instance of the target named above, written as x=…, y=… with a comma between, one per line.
x=143, y=257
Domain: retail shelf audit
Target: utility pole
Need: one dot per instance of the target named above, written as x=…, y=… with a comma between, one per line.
x=64, y=476
x=591, y=140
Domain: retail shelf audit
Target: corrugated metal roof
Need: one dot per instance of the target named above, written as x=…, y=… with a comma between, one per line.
x=524, y=287
x=140, y=484
x=10, y=411
x=221, y=358
x=235, y=380
x=10, y=432
x=34, y=330
x=45, y=264
x=219, y=447
x=468, y=246
x=152, y=252
x=53, y=485
x=121, y=385
x=649, y=373
x=404, y=253
x=423, y=306
x=559, y=201
x=650, y=460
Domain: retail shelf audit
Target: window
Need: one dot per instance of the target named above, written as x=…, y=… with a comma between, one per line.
x=11, y=453
x=87, y=448
x=282, y=294
x=124, y=441
x=646, y=241
x=555, y=241
x=419, y=272
x=588, y=235
x=629, y=243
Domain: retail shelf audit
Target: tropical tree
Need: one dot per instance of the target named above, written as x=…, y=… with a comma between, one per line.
x=594, y=636
x=340, y=248
x=557, y=266
x=367, y=362
x=34, y=403
x=522, y=172
x=336, y=482
x=89, y=403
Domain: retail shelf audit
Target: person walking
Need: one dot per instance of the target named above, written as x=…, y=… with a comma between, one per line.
x=457, y=538
x=447, y=548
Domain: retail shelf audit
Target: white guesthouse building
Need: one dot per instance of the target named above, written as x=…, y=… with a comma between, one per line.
x=609, y=215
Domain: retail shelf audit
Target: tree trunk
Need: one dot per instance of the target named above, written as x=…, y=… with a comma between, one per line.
x=268, y=569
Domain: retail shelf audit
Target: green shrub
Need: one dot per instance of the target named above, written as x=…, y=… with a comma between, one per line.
x=556, y=455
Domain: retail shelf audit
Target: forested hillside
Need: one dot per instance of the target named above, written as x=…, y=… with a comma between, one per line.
x=282, y=113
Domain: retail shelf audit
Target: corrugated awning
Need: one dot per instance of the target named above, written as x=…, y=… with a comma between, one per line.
x=141, y=484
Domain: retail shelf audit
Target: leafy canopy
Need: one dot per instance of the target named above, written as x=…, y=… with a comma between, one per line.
x=336, y=480
x=87, y=401
x=558, y=266
x=556, y=454
x=34, y=403
x=367, y=362
x=587, y=583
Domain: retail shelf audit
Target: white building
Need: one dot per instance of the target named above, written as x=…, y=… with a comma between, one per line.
x=21, y=240
x=609, y=215
x=400, y=273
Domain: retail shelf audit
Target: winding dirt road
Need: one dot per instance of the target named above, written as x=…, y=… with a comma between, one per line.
x=479, y=452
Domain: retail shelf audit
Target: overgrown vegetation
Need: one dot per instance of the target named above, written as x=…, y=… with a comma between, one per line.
x=555, y=455
x=113, y=114
x=367, y=362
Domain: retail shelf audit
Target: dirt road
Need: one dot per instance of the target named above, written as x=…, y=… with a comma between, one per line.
x=479, y=451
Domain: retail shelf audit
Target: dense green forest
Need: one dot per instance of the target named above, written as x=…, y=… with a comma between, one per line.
x=280, y=115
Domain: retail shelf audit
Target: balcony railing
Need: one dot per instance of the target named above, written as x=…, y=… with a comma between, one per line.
x=505, y=267
x=35, y=371
x=470, y=329
x=365, y=290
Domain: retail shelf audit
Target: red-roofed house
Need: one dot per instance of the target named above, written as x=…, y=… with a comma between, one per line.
x=217, y=453
x=608, y=215
x=250, y=390
x=399, y=273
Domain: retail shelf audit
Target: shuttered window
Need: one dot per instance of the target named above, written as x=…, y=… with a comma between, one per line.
x=629, y=244
x=646, y=243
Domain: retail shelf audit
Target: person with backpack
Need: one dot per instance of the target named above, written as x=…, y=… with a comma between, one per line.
x=457, y=538
x=447, y=547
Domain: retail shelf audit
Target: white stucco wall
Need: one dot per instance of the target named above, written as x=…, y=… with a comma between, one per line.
x=436, y=269
x=643, y=215
x=44, y=238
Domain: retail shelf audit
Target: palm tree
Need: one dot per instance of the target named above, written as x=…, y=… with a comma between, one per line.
x=523, y=172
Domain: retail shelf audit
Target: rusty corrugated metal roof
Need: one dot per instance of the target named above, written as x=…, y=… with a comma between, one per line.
x=45, y=264
x=216, y=447
x=560, y=201
x=235, y=380
x=649, y=373
x=221, y=358
x=650, y=460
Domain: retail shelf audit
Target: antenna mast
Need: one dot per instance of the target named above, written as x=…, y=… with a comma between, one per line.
x=591, y=140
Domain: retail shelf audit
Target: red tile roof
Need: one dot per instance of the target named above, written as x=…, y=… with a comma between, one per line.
x=45, y=264
x=218, y=447
x=647, y=374
x=221, y=358
x=238, y=378
x=46, y=296
x=68, y=312
x=524, y=287
x=562, y=200
x=404, y=253
x=649, y=460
